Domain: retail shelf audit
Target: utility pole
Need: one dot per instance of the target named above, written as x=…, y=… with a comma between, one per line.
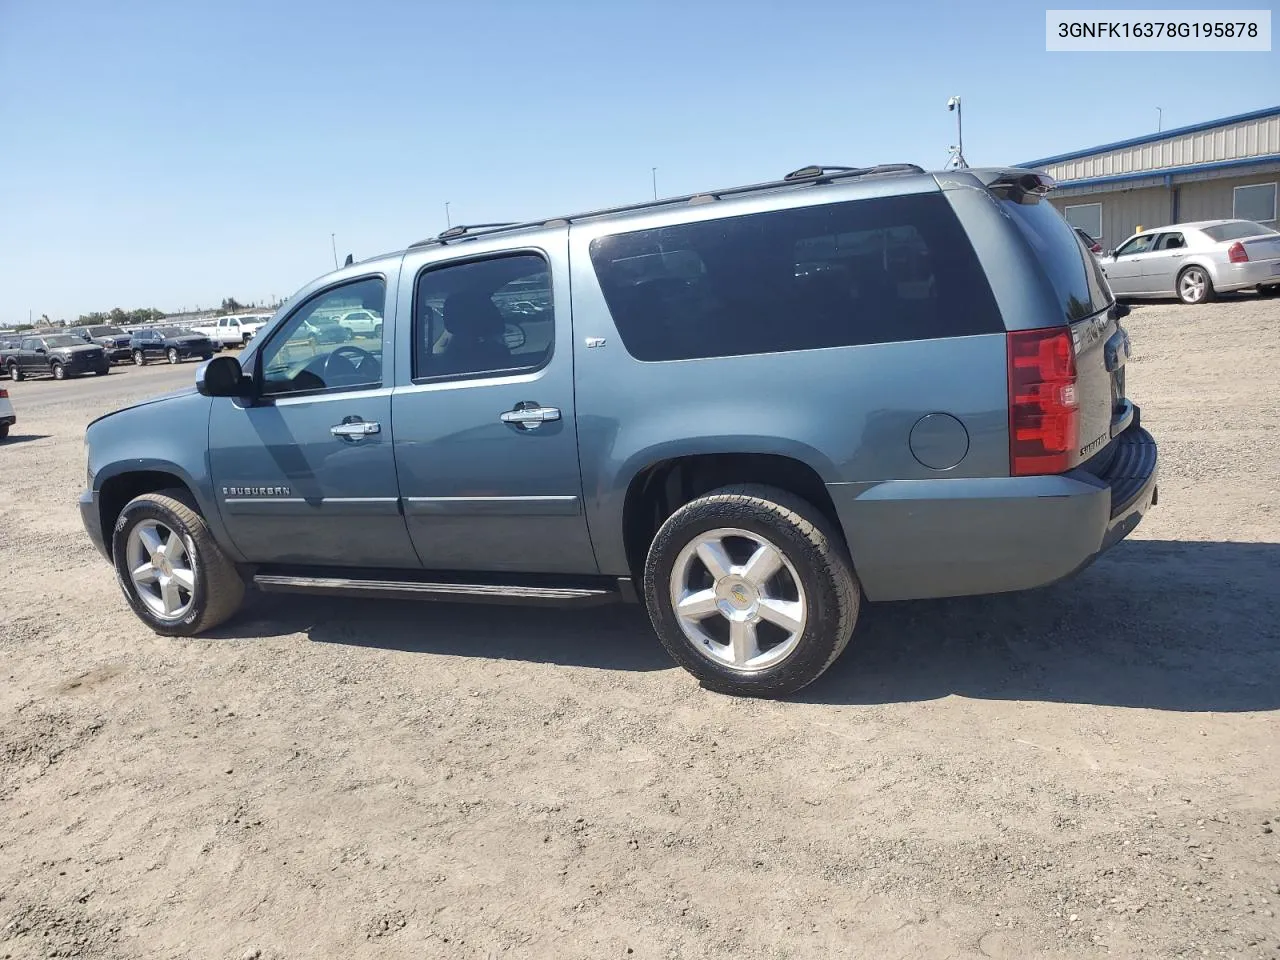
x=334, y=243
x=954, y=105
x=447, y=222
x=1159, y=119
x=654, y=171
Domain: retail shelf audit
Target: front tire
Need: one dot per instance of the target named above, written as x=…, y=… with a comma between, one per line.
x=58, y=370
x=751, y=590
x=1194, y=286
x=15, y=374
x=172, y=354
x=172, y=571
x=139, y=358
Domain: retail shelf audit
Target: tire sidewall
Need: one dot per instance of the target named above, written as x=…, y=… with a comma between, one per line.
x=144, y=508
x=1203, y=297
x=820, y=637
x=59, y=371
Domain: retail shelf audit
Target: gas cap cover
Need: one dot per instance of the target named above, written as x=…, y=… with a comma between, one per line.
x=939, y=441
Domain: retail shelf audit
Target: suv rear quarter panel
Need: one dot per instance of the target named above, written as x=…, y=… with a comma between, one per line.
x=846, y=412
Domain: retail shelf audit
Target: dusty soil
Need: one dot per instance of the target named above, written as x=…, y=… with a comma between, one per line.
x=1087, y=770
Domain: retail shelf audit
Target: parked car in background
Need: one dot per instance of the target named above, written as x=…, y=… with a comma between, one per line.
x=113, y=341
x=170, y=343
x=323, y=330
x=1195, y=261
x=1090, y=243
x=59, y=356
x=751, y=451
x=233, y=331
x=362, y=323
x=7, y=417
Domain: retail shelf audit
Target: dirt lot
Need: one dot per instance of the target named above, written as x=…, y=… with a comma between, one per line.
x=1088, y=770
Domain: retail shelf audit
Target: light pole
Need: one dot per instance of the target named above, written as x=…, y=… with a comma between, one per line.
x=447, y=221
x=654, y=172
x=334, y=243
x=1159, y=119
x=954, y=105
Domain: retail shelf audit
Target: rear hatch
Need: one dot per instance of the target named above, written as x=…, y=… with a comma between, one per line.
x=1067, y=390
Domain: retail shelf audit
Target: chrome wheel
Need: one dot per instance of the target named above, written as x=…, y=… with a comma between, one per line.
x=1193, y=285
x=173, y=355
x=162, y=569
x=138, y=358
x=738, y=599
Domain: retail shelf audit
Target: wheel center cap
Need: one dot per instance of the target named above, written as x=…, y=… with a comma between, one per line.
x=737, y=598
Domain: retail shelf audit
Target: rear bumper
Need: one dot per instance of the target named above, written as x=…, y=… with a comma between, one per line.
x=91, y=517
x=914, y=539
x=1239, y=276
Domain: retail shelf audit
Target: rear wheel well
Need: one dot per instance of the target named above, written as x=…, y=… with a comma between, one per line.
x=659, y=490
x=119, y=490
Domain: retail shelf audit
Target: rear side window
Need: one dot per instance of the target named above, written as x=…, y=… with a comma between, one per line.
x=1074, y=273
x=865, y=271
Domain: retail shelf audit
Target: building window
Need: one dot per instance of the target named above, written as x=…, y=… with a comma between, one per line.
x=1086, y=216
x=1256, y=202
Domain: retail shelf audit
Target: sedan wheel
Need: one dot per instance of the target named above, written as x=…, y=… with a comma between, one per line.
x=1194, y=286
x=172, y=354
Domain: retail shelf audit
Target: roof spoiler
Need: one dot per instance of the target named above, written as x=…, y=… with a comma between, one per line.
x=1016, y=183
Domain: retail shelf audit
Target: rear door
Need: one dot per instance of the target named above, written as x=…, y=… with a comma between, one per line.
x=486, y=438
x=31, y=357
x=1161, y=266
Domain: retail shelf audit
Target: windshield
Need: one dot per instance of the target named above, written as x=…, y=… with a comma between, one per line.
x=106, y=332
x=63, y=341
x=170, y=331
x=1076, y=277
x=1236, y=230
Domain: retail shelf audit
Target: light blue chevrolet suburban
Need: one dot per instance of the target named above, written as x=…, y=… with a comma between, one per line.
x=750, y=408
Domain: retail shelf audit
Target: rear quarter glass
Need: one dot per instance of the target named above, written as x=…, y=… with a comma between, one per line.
x=877, y=270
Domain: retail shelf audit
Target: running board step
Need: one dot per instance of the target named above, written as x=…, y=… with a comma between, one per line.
x=438, y=590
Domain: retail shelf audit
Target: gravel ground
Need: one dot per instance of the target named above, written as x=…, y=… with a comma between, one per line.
x=1088, y=770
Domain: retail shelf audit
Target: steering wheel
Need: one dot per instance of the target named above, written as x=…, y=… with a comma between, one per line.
x=353, y=357
x=513, y=335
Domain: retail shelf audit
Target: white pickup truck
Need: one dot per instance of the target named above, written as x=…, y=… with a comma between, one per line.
x=233, y=331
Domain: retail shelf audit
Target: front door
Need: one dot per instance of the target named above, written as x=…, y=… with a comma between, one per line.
x=1160, y=268
x=306, y=473
x=1124, y=270
x=486, y=440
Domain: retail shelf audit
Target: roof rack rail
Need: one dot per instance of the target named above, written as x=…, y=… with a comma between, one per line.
x=463, y=229
x=805, y=176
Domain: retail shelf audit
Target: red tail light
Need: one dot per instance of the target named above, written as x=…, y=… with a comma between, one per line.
x=1044, y=415
x=4, y=394
x=1236, y=253
x=1096, y=248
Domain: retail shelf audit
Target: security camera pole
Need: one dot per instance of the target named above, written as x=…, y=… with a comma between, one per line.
x=954, y=104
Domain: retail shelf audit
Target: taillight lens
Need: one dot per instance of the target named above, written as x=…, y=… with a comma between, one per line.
x=4, y=394
x=1096, y=248
x=1044, y=413
x=1236, y=253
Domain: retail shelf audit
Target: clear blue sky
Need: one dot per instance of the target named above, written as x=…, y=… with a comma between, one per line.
x=170, y=154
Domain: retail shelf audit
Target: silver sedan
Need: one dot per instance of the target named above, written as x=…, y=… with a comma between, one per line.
x=1193, y=261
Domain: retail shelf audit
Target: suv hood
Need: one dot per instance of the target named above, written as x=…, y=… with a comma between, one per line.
x=149, y=401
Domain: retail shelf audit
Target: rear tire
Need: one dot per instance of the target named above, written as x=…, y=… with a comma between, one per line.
x=810, y=599
x=1194, y=286
x=216, y=587
x=4, y=430
x=1269, y=290
x=102, y=373
x=139, y=358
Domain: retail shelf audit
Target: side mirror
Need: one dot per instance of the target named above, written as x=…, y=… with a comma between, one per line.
x=222, y=377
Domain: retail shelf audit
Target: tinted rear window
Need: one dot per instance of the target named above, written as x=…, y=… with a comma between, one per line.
x=865, y=271
x=1074, y=273
x=1236, y=231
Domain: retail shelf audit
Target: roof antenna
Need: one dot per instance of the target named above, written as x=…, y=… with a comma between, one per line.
x=348, y=261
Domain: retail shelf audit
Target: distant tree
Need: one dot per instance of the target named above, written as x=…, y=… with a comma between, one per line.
x=45, y=321
x=231, y=305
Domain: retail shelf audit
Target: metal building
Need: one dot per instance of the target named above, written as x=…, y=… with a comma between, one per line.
x=1225, y=168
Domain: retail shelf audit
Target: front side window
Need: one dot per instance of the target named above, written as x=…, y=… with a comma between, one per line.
x=483, y=318
x=311, y=351
x=1143, y=243
x=864, y=271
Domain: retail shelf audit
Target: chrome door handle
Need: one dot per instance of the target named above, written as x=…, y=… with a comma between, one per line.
x=355, y=429
x=529, y=415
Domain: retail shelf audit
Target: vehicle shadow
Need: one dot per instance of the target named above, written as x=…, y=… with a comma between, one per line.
x=616, y=637
x=22, y=438
x=1177, y=625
